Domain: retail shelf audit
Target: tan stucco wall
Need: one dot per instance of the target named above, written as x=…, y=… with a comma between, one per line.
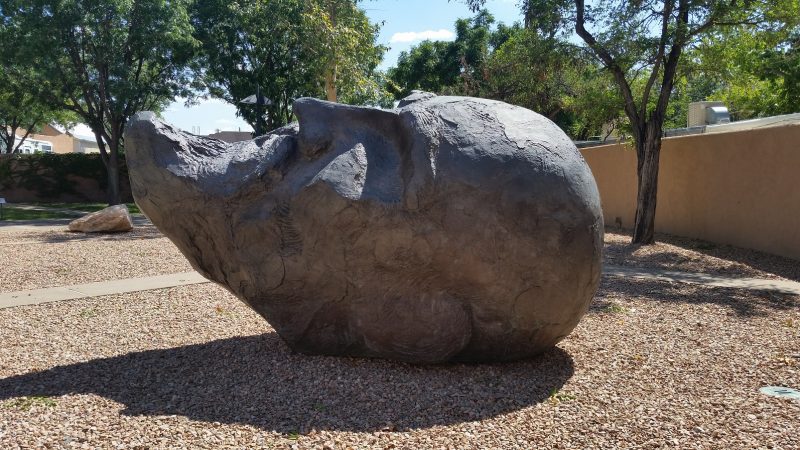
x=740, y=188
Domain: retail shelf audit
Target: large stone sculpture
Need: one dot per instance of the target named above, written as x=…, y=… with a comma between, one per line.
x=449, y=229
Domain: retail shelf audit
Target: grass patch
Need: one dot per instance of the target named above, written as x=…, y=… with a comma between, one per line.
x=557, y=396
x=615, y=308
x=88, y=207
x=69, y=211
x=222, y=311
x=11, y=213
x=88, y=313
x=293, y=435
x=26, y=403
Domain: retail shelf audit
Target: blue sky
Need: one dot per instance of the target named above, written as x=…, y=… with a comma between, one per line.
x=405, y=23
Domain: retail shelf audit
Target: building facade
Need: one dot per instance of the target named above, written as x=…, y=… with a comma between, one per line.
x=52, y=140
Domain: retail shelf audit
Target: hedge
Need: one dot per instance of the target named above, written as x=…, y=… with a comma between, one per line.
x=50, y=177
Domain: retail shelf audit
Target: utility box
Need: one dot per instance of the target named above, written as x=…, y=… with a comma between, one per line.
x=717, y=114
x=707, y=113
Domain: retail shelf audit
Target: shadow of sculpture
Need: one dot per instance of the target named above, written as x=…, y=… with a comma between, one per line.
x=258, y=381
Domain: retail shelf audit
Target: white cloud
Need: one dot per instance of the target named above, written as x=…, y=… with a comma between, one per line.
x=413, y=36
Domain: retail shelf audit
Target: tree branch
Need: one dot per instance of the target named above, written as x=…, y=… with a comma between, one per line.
x=671, y=66
x=611, y=64
x=22, y=139
x=662, y=44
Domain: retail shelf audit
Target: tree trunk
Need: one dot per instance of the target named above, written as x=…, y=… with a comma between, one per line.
x=330, y=83
x=8, y=144
x=9, y=137
x=648, y=154
x=330, y=74
x=109, y=154
x=112, y=169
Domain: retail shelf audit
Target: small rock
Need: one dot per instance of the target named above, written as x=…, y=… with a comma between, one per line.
x=109, y=220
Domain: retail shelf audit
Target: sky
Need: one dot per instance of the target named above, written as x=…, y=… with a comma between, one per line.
x=405, y=24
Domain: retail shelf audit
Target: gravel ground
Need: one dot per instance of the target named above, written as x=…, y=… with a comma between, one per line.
x=56, y=257
x=691, y=255
x=29, y=263
x=653, y=365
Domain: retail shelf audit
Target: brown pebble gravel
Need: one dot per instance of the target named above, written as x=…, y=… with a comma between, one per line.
x=56, y=257
x=652, y=365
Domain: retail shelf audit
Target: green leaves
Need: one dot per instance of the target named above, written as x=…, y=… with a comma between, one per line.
x=754, y=68
x=517, y=65
x=103, y=60
x=288, y=48
x=450, y=67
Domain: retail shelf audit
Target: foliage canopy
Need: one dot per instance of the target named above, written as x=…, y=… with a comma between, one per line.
x=287, y=49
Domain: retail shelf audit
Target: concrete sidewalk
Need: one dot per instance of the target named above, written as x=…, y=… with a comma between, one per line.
x=46, y=295
x=754, y=284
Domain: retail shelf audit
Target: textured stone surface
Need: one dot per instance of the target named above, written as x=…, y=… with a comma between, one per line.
x=113, y=219
x=449, y=229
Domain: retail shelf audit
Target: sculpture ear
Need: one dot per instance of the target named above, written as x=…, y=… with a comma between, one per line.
x=416, y=96
x=322, y=123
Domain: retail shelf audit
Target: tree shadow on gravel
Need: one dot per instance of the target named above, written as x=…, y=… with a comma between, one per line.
x=746, y=260
x=743, y=302
x=258, y=381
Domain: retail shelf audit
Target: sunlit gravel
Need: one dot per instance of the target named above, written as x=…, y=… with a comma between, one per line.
x=652, y=365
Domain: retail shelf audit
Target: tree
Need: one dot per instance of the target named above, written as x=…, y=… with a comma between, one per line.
x=782, y=69
x=20, y=106
x=19, y=109
x=531, y=67
x=104, y=60
x=249, y=45
x=455, y=67
x=343, y=40
x=544, y=16
x=554, y=78
x=287, y=49
x=630, y=45
x=644, y=40
x=430, y=66
x=753, y=68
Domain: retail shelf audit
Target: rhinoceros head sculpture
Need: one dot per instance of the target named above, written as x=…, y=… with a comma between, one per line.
x=448, y=229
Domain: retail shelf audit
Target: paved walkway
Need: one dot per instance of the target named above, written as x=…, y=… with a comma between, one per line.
x=755, y=284
x=37, y=296
x=76, y=291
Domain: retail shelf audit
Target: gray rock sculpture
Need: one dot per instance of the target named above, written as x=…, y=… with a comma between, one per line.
x=449, y=229
x=113, y=219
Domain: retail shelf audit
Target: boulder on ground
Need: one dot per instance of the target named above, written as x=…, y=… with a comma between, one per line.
x=449, y=229
x=113, y=219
